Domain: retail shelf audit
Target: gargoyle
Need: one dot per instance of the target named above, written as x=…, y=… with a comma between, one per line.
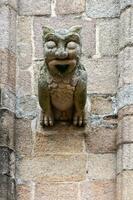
x=62, y=81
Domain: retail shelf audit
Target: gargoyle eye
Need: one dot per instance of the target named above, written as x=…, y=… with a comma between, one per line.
x=71, y=45
x=50, y=44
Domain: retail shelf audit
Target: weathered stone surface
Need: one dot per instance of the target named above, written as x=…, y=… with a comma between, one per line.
x=103, y=8
x=23, y=83
x=6, y=128
x=125, y=69
x=58, y=129
x=3, y=187
x=125, y=186
x=97, y=163
x=102, y=75
x=33, y=7
x=98, y=190
x=88, y=32
x=53, y=168
x=102, y=105
x=7, y=28
x=69, y=7
x=8, y=68
x=126, y=27
x=101, y=139
x=124, y=157
x=125, y=96
x=125, y=130
x=36, y=70
x=23, y=137
x=127, y=110
x=26, y=106
x=12, y=3
x=23, y=191
x=125, y=3
x=108, y=36
x=59, y=143
x=7, y=188
x=24, y=42
x=7, y=100
x=4, y=160
x=52, y=191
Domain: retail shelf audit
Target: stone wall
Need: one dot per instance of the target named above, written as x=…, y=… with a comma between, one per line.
x=8, y=14
x=67, y=163
x=125, y=103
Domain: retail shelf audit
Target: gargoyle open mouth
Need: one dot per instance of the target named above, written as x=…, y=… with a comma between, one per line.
x=62, y=68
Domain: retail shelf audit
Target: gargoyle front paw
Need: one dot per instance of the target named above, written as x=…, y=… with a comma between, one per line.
x=47, y=120
x=79, y=119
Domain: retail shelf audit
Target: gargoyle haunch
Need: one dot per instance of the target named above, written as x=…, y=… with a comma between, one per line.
x=63, y=80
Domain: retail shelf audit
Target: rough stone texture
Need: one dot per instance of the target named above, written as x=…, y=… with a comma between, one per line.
x=7, y=100
x=23, y=138
x=58, y=129
x=125, y=157
x=125, y=186
x=36, y=69
x=127, y=110
x=6, y=128
x=98, y=190
x=60, y=191
x=7, y=188
x=33, y=7
x=101, y=105
x=108, y=36
x=101, y=139
x=24, y=42
x=69, y=7
x=7, y=27
x=26, y=106
x=125, y=3
x=8, y=68
x=125, y=67
x=102, y=75
x=126, y=27
x=97, y=163
x=88, y=32
x=3, y=187
x=23, y=192
x=125, y=130
x=53, y=168
x=125, y=96
x=12, y=3
x=58, y=143
x=103, y=8
x=23, y=84
x=4, y=160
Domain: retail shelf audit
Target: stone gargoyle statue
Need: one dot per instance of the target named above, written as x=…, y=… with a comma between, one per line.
x=62, y=80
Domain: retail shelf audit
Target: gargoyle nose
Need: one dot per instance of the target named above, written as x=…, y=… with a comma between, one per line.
x=61, y=54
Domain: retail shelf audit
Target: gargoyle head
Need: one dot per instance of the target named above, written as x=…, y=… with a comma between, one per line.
x=62, y=49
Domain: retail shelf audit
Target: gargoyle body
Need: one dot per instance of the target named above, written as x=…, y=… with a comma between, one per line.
x=62, y=80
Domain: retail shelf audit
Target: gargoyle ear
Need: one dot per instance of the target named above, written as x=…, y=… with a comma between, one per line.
x=47, y=30
x=76, y=29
